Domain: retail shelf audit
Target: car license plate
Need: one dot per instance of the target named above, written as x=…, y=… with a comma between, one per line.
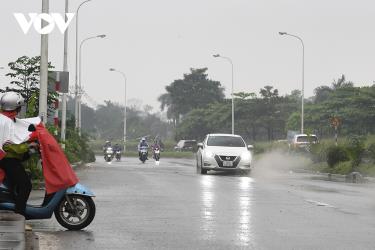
x=227, y=164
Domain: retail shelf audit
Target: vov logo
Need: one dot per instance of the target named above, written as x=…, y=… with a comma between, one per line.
x=52, y=20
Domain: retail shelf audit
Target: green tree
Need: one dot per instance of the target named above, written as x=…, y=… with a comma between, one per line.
x=195, y=90
x=25, y=72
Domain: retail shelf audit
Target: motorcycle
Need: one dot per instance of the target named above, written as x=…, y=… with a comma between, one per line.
x=143, y=154
x=157, y=154
x=108, y=154
x=73, y=207
x=65, y=197
x=118, y=155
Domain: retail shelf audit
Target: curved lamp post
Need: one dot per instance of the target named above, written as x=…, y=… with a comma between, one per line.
x=124, y=76
x=231, y=62
x=80, y=79
x=303, y=75
x=76, y=108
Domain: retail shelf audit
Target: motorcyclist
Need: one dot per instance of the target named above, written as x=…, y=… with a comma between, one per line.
x=106, y=145
x=19, y=180
x=142, y=143
x=155, y=146
x=116, y=147
x=159, y=142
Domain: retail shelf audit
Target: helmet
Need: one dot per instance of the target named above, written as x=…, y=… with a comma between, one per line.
x=143, y=139
x=11, y=101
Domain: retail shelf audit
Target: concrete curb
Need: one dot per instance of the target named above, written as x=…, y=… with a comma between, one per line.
x=12, y=231
x=353, y=177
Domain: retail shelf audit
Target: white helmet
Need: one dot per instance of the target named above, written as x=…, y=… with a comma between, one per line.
x=11, y=101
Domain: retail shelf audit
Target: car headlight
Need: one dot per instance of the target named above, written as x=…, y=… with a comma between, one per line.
x=209, y=154
x=246, y=156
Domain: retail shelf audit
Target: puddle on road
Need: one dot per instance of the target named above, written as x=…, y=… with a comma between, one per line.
x=216, y=205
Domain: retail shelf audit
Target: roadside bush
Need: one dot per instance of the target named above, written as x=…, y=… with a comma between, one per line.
x=77, y=148
x=371, y=151
x=336, y=154
x=356, y=149
x=366, y=169
x=319, y=151
x=71, y=150
x=344, y=167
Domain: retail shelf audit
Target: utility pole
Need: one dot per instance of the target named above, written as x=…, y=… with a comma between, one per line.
x=43, y=93
x=65, y=69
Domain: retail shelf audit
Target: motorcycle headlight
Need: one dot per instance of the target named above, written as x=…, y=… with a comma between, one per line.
x=209, y=154
x=246, y=156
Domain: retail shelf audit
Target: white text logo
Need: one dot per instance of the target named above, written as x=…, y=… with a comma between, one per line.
x=52, y=20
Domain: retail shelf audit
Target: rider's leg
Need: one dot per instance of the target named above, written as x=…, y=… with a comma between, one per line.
x=21, y=182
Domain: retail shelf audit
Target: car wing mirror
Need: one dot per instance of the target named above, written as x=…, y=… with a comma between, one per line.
x=250, y=147
x=200, y=145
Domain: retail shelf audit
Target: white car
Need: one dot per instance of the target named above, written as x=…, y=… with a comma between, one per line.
x=302, y=141
x=223, y=152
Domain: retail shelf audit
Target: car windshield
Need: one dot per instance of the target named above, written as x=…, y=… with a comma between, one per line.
x=190, y=143
x=306, y=138
x=225, y=141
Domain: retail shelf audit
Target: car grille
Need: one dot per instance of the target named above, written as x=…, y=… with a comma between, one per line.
x=234, y=159
x=227, y=158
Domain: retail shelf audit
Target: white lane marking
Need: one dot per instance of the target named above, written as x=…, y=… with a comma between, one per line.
x=320, y=204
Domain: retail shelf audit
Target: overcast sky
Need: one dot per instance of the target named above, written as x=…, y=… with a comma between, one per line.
x=156, y=42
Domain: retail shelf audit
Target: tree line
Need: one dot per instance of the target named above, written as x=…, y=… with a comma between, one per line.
x=197, y=106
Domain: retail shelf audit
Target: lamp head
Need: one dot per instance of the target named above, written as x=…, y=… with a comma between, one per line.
x=101, y=36
x=112, y=69
x=282, y=33
x=216, y=55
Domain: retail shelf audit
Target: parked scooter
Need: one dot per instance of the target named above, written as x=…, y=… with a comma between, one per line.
x=108, y=154
x=143, y=154
x=65, y=197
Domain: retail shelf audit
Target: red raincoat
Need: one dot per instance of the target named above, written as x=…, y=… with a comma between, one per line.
x=57, y=171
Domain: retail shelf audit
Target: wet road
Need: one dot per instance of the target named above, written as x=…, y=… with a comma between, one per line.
x=143, y=206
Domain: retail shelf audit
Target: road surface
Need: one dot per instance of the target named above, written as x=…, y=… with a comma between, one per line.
x=143, y=206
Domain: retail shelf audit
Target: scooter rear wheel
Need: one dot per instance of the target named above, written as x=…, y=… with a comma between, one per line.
x=78, y=217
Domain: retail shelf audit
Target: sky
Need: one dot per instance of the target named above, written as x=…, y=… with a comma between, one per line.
x=156, y=42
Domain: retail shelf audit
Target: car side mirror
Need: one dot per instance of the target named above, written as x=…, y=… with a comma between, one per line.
x=200, y=145
x=250, y=147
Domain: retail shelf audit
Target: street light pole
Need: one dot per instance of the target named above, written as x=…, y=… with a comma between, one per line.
x=76, y=110
x=65, y=69
x=124, y=76
x=80, y=80
x=43, y=93
x=232, y=94
x=303, y=76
